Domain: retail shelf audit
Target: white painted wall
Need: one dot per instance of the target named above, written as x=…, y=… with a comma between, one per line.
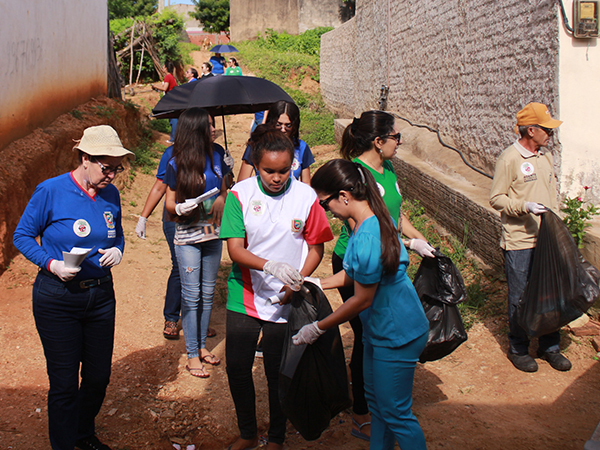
x=54, y=57
x=579, y=102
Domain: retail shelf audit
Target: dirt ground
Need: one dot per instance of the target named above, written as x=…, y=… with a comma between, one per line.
x=472, y=399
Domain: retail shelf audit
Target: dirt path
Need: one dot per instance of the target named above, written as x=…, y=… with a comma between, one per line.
x=473, y=399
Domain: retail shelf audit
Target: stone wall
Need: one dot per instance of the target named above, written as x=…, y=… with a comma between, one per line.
x=463, y=67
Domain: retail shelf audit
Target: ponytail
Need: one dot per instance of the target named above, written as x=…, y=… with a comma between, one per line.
x=358, y=137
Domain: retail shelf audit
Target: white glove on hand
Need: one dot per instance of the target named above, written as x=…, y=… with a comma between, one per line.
x=183, y=209
x=64, y=273
x=111, y=257
x=535, y=208
x=308, y=334
x=315, y=281
x=140, y=228
x=286, y=273
x=422, y=247
x=228, y=160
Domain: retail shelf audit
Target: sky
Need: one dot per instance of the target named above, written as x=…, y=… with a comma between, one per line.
x=179, y=2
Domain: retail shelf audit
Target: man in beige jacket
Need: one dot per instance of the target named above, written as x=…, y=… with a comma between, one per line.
x=524, y=186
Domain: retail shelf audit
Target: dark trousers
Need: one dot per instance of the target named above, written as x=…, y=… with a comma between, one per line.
x=76, y=327
x=240, y=346
x=517, y=264
x=173, y=295
x=359, y=405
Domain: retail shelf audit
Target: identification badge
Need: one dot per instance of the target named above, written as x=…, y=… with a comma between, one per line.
x=82, y=228
x=297, y=225
x=257, y=208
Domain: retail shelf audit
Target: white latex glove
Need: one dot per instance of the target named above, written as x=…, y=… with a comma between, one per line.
x=64, y=273
x=308, y=334
x=421, y=247
x=140, y=228
x=535, y=208
x=183, y=209
x=228, y=160
x=315, y=281
x=286, y=273
x=111, y=256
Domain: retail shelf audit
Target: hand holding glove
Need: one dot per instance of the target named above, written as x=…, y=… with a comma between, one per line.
x=422, y=247
x=535, y=208
x=183, y=209
x=111, y=257
x=59, y=269
x=140, y=228
x=286, y=273
x=308, y=334
x=228, y=160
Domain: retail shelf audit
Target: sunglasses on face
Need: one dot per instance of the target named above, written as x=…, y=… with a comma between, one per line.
x=397, y=137
x=548, y=131
x=325, y=203
x=107, y=170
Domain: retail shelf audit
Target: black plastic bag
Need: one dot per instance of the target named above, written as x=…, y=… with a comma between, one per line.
x=313, y=382
x=440, y=288
x=562, y=285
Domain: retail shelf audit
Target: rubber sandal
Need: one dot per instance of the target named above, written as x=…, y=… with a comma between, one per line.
x=171, y=331
x=204, y=374
x=211, y=359
x=211, y=332
x=359, y=434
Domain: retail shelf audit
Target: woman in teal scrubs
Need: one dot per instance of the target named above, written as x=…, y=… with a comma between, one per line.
x=395, y=328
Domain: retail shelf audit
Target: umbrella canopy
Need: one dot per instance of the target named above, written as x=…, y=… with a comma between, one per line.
x=223, y=48
x=221, y=96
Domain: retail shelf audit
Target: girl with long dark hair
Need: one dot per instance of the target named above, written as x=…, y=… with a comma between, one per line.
x=395, y=328
x=275, y=231
x=197, y=167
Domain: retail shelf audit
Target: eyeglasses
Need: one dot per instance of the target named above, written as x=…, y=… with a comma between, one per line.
x=325, y=203
x=397, y=137
x=107, y=170
x=288, y=126
x=548, y=131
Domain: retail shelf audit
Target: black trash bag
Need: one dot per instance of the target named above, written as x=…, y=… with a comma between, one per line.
x=313, y=383
x=440, y=288
x=562, y=284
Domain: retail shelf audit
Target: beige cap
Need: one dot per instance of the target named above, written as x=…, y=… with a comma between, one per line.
x=102, y=140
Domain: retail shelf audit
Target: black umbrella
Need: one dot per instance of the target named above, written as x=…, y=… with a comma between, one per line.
x=223, y=48
x=221, y=96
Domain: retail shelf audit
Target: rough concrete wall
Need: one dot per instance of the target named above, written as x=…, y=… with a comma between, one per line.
x=318, y=13
x=54, y=57
x=247, y=18
x=463, y=67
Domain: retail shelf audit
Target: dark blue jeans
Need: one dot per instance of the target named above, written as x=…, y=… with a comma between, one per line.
x=517, y=265
x=240, y=346
x=173, y=295
x=76, y=327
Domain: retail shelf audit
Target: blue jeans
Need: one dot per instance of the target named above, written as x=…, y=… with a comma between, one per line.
x=517, y=265
x=198, y=269
x=389, y=375
x=76, y=327
x=173, y=295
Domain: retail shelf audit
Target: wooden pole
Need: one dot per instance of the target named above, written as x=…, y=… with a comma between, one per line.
x=142, y=57
x=132, y=56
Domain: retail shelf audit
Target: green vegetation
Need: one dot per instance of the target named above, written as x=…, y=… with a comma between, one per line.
x=287, y=60
x=76, y=114
x=119, y=9
x=213, y=14
x=104, y=111
x=577, y=217
x=161, y=125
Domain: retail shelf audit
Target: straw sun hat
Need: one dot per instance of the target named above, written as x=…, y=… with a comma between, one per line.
x=102, y=140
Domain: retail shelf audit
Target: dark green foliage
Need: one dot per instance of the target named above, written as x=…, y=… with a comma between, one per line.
x=119, y=9
x=308, y=42
x=161, y=125
x=213, y=14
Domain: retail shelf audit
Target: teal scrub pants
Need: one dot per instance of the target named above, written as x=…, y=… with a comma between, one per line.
x=389, y=375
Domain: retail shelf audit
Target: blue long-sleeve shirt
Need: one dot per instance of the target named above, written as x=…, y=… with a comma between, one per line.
x=64, y=216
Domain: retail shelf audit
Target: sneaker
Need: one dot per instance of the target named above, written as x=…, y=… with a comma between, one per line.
x=524, y=363
x=556, y=360
x=169, y=141
x=91, y=443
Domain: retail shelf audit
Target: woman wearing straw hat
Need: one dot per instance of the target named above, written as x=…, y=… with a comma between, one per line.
x=74, y=302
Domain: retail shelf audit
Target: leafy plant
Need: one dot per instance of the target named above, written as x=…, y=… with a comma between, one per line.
x=161, y=125
x=577, y=217
x=104, y=111
x=213, y=14
x=76, y=114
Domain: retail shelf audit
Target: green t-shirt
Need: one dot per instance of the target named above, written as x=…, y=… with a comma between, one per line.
x=234, y=71
x=390, y=191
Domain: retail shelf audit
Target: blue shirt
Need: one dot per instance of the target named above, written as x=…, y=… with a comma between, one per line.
x=303, y=158
x=396, y=315
x=217, y=63
x=64, y=215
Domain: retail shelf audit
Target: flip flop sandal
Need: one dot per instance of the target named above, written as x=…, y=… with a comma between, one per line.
x=171, y=331
x=211, y=359
x=359, y=434
x=197, y=375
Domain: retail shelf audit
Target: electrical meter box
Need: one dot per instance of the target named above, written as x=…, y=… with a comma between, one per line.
x=585, y=18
